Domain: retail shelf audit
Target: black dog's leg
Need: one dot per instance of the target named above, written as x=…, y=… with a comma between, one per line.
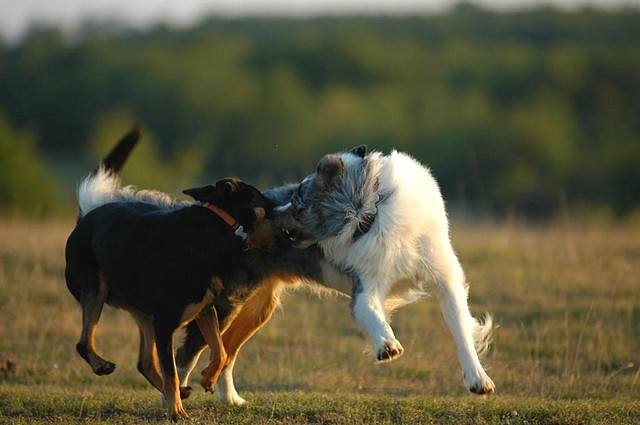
x=148, y=355
x=188, y=354
x=92, y=296
x=171, y=385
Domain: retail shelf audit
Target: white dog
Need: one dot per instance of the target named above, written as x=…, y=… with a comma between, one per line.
x=382, y=221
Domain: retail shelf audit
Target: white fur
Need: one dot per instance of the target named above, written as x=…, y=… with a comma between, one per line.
x=103, y=187
x=409, y=243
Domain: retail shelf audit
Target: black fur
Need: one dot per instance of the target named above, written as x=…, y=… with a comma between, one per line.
x=156, y=261
x=115, y=160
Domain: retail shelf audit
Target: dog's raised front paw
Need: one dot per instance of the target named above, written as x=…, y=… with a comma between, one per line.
x=209, y=378
x=390, y=350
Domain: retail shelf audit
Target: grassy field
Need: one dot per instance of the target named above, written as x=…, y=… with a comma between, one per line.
x=566, y=297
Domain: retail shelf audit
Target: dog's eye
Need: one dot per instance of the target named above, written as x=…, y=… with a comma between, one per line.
x=295, y=202
x=297, y=205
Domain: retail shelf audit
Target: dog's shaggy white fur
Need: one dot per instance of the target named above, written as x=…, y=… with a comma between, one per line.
x=405, y=253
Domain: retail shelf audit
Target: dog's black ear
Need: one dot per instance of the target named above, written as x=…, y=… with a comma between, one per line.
x=226, y=187
x=330, y=171
x=202, y=194
x=360, y=151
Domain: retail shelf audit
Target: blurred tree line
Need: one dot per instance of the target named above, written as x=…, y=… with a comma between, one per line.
x=531, y=111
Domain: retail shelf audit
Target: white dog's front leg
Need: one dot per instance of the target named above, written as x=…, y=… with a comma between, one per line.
x=369, y=314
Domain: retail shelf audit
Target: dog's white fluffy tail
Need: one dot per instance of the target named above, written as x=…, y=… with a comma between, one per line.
x=103, y=187
x=483, y=334
x=96, y=190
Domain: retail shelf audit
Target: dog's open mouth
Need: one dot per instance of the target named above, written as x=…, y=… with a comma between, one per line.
x=295, y=236
x=299, y=239
x=292, y=234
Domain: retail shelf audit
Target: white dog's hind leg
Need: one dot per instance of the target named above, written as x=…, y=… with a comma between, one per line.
x=369, y=313
x=453, y=302
x=226, y=388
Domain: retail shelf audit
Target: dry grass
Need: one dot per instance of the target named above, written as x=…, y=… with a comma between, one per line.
x=566, y=297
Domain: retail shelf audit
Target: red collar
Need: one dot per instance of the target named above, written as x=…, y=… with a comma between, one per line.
x=223, y=215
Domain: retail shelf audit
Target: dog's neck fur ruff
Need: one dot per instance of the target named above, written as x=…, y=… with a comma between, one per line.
x=238, y=230
x=372, y=196
x=366, y=222
x=367, y=219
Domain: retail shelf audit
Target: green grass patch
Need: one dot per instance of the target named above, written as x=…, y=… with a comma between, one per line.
x=111, y=404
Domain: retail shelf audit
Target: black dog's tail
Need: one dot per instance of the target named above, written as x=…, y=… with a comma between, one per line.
x=114, y=161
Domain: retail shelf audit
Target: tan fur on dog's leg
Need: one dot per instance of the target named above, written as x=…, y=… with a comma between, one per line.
x=208, y=325
x=253, y=315
x=175, y=411
x=255, y=312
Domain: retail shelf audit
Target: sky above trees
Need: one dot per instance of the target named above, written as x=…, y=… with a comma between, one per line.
x=18, y=15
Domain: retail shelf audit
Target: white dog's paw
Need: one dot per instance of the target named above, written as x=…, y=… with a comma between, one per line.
x=229, y=396
x=233, y=400
x=389, y=351
x=479, y=383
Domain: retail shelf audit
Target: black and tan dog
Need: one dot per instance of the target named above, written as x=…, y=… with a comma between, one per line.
x=165, y=262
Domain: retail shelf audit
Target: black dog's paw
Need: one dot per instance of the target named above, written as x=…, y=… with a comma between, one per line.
x=185, y=392
x=106, y=368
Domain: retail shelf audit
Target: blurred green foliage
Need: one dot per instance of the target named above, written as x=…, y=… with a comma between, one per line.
x=27, y=183
x=528, y=111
